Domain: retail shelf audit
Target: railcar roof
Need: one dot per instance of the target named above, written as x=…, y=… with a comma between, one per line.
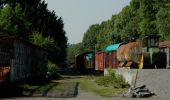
x=164, y=44
x=113, y=47
x=11, y=39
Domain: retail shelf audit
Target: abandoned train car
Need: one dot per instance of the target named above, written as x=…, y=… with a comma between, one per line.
x=85, y=62
x=129, y=55
x=20, y=60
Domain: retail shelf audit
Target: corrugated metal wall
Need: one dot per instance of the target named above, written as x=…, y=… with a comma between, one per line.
x=29, y=61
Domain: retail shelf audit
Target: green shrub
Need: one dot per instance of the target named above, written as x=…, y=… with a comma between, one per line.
x=54, y=70
x=120, y=82
x=113, y=79
x=104, y=81
x=112, y=73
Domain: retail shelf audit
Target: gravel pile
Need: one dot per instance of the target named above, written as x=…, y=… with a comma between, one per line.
x=138, y=92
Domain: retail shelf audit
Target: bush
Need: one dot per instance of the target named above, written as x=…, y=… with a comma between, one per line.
x=104, y=81
x=113, y=79
x=120, y=82
x=54, y=70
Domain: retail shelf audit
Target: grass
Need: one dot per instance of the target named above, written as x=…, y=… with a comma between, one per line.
x=89, y=84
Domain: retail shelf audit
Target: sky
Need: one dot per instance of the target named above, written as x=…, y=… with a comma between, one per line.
x=78, y=15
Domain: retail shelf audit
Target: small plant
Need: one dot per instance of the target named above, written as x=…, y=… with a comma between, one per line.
x=54, y=70
x=120, y=82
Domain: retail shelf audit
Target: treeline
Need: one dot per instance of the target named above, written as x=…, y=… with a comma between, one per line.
x=31, y=21
x=137, y=20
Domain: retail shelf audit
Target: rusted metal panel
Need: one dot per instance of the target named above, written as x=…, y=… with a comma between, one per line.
x=164, y=44
x=111, y=60
x=4, y=73
x=100, y=61
x=5, y=56
x=131, y=51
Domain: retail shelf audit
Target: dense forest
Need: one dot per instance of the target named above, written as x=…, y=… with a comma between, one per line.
x=31, y=21
x=137, y=20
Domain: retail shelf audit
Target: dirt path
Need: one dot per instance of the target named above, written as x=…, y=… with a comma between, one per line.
x=82, y=95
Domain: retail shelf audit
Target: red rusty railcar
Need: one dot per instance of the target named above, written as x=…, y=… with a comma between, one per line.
x=111, y=60
x=100, y=58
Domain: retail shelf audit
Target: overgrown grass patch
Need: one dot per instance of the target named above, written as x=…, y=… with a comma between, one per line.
x=89, y=84
x=116, y=81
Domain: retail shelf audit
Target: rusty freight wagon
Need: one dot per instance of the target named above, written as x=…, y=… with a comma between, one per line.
x=20, y=60
x=130, y=55
x=111, y=55
x=85, y=62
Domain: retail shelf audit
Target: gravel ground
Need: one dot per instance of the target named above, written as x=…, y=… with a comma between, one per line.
x=157, y=80
x=82, y=95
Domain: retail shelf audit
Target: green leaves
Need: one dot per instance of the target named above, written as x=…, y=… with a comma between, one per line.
x=38, y=39
x=14, y=21
x=163, y=23
x=32, y=21
x=135, y=21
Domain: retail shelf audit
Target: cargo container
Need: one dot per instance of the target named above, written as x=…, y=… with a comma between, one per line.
x=21, y=60
x=100, y=58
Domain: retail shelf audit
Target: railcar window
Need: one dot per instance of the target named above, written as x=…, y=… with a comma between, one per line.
x=162, y=49
x=152, y=42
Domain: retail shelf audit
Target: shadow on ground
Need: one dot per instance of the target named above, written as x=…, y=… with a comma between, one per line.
x=52, y=89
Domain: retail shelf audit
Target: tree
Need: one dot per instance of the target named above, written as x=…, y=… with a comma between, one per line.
x=13, y=21
x=23, y=18
x=38, y=39
x=89, y=39
x=135, y=21
x=73, y=50
x=163, y=23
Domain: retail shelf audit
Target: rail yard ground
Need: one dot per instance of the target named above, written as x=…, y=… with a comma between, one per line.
x=68, y=89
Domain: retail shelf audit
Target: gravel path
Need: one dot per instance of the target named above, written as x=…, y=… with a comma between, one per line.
x=82, y=95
